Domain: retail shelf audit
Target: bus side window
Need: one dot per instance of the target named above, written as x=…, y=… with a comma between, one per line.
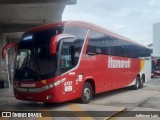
x=65, y=57
x=70, y=53
x=109, y=46
x=96, y=44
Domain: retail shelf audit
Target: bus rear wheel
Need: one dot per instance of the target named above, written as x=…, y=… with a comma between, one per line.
x=137, y=84
x=142, y=81
x=86, y=93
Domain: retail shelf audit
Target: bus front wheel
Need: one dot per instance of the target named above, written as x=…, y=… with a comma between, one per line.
x=86, y=93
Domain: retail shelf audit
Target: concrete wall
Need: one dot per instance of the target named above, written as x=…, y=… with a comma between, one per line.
x=1, y=41
x=6, y=69
x=156, y=39
x=17, y=16
x=3, y=69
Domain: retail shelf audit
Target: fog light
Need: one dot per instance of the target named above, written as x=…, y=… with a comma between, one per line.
x=49, y=97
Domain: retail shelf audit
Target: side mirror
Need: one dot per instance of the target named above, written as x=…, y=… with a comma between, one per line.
x=54, y=42
x=6, y=47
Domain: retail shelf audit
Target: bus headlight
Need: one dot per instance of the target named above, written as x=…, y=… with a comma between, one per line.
x=57, y=83
x=53, y=84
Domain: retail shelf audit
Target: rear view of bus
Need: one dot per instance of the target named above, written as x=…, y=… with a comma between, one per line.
x=70, y=60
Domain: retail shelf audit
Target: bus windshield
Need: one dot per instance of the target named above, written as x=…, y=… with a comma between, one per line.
x=32, y=64
x=34, y=61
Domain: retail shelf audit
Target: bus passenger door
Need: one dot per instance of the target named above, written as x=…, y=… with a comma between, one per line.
x=67, y=64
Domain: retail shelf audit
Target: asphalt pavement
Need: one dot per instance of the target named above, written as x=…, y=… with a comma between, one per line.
x=118, y=104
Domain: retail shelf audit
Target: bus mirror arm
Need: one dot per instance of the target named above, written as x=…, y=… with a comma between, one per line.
x=53, y=45
x=54, y=41
x=6, y=47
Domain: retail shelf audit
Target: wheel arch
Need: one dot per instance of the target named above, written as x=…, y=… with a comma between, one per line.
x=92, y=82
x=143, y=77
x=139, y=76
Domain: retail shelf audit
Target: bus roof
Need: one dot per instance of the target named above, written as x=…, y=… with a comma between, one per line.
x=85, y=25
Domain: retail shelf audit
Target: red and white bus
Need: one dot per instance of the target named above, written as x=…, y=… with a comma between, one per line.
x=72, y=59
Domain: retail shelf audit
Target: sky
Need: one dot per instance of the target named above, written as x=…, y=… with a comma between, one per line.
x=133, y=19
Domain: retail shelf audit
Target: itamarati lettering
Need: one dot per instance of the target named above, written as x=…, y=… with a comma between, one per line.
x=115, y=63
x=28, y=85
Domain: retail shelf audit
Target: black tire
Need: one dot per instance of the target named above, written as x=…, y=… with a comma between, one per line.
x=87, y=93
x=137, y=84
x=142, y=81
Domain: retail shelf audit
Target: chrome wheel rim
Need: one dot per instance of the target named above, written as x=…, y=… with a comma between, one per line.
x=86, y=93
x=137, y=83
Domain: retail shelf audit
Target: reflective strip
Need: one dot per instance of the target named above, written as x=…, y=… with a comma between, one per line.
x=21, y=89
x=30, y=89
x=37, y=90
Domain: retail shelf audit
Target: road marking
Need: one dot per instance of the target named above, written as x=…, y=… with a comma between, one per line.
x=2, y=118
x=47, y=113
x=75, y=107
x=44, y=118
x=113, y=117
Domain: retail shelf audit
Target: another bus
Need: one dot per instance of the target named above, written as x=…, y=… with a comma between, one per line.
x=155, y=67
x=73, y=59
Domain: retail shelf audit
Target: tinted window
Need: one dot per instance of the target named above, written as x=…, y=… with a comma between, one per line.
x=136, y=51
x=102, y=44
x=111, y=46
x=70, y=53
x=39, y=38
x=123, y=48
x=34, y=60
x=117, y=47
x=96, y=44
x=79, y=32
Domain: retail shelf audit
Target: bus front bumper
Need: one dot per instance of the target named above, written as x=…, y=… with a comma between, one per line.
x=31, y=94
